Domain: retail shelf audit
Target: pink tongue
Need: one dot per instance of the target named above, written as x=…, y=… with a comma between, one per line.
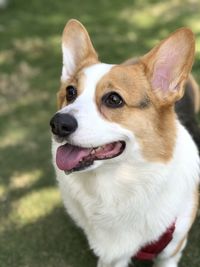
x=68, y=156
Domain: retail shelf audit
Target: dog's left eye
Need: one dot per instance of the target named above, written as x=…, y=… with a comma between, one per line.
x=71, y=93
x=112, y=100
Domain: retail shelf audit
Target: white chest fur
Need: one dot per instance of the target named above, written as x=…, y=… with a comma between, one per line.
x=122, y=207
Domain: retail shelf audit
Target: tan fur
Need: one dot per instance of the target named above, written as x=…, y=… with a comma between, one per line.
x=195, y=207
x=195, y=88
x=153, y=58
x=132, y=85
x=77, y=81
x=133, y=82
x=191, y=80
x=131, y=61
x=179, y=247
x=193, y=216
x=182, y=67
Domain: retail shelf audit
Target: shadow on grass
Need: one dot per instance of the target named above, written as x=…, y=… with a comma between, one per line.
x=50, y=241
x=30, y=32
x=54, y=241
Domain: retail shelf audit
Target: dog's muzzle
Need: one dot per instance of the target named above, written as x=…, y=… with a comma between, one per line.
x=71, y=157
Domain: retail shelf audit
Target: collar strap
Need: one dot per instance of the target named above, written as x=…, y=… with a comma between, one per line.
x=150, y=251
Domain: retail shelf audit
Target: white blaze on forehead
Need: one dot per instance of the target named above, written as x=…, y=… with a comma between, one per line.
x=94, y=74
x=86, y=100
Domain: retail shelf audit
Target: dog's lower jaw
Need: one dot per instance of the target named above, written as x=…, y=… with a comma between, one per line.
x=91, y=167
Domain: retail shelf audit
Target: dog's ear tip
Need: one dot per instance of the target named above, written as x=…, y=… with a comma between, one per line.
x=185, y=34
x=73, y=28
x=76, y=46
x=73, y=23
x=185, y=30
x=169, y=63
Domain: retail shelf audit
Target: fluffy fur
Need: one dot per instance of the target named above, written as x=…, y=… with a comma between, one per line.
x=128, y=201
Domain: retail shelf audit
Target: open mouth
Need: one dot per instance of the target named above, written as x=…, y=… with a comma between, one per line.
x=71, y=158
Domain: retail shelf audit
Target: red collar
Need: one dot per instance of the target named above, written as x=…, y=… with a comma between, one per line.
x=150, y=251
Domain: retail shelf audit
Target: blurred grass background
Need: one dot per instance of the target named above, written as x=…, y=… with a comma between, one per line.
x=34, y=229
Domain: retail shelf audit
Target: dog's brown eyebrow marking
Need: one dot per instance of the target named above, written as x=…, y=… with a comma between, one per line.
x=144, y=103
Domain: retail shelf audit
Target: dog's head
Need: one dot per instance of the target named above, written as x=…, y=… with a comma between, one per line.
x=112, y=113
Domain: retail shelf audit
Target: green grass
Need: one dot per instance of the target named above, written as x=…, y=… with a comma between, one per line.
x=34, y=229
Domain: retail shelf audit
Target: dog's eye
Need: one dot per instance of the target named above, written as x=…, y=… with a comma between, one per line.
x=112, y=100
x=71, y=93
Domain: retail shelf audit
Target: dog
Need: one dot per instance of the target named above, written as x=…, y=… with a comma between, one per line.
x=126, y=166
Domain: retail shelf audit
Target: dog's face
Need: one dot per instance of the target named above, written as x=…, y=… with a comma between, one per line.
x=112, y=113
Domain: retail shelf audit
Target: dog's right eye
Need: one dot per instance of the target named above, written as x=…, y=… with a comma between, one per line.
x=71, y=93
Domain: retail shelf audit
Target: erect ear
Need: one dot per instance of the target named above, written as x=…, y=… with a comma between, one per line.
x=77, y=49
x=168, y=64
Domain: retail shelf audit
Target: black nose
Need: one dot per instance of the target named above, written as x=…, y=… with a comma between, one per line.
x=63, y=124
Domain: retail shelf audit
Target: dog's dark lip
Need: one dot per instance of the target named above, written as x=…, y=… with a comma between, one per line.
x=89, y=160
x=81, y=167
x=58, y=139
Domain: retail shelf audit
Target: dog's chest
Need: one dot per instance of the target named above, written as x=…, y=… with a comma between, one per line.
x=108, y=209
x=94, y=201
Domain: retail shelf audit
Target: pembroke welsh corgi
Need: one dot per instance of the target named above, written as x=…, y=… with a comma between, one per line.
x=127, y=168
